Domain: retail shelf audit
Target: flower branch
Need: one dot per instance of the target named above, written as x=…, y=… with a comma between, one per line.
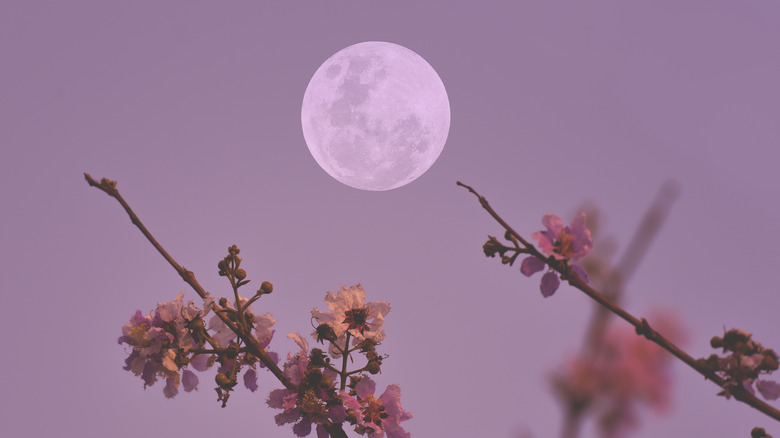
x=174, y=336
x=109, y=188
x=572, y=243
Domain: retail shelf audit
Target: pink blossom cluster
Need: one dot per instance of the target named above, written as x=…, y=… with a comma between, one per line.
x=168, y=341
x=376, y=416
x=623, y=372
x=315, y=402
x=174, y=339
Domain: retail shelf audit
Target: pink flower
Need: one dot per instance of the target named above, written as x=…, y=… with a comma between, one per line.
x=305, y=406
x=377, y=416
x=626, y=370
x=159, y=341
x=349, y=312
x=563, y=243
x=573, y=242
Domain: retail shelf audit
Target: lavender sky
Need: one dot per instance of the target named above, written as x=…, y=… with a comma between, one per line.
x=194, y=107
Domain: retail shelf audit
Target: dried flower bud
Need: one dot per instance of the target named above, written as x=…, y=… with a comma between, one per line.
x=373, y=367
x=224, y=381
x=769, y=362
x=493, y=246
x=240, y=274
x=759, y=432
x=317, y=357
x=325, y=332
x=266, y=287
x=716, y=342
x=735, y=338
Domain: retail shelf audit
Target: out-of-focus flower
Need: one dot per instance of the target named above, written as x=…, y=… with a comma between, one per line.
x=563, y=243
x=626, y=371
x=349, y=312
x=374, y=416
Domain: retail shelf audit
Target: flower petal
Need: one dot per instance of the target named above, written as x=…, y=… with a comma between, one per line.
x=365, y=387
x=250, y=379
x=189, y=380
x=769, y=389
x=550, y=283
x=531, y=265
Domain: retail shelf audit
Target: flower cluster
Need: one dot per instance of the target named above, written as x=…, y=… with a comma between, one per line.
x=746, y=361
x=313, y=401
x=174, y=338
x=571, y=242
x=623, y=372
x=375, y=416
x=161, y=344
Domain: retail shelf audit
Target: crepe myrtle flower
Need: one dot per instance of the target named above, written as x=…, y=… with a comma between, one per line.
x=306, y=405
x=747, y=360
x=159, y=343
x=349, y=313
x=571, y=242
x=626, y=372
x=376, y=416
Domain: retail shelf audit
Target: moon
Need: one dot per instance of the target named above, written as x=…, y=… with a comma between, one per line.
x=375, y=116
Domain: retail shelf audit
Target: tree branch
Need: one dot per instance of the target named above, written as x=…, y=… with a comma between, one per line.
x=641, y=325
x=109, y=188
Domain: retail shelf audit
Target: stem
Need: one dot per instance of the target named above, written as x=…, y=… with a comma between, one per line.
x=254, y=347
x=642, y=326
x=571, y=424
x=344, y=356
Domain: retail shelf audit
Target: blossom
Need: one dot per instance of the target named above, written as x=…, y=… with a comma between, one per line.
x=306, y=405
x=159, y=341
x=623, y=372
x=349, y=313
x=377, y=416
x=562, y=243
x=223, y=335
x=572, y=242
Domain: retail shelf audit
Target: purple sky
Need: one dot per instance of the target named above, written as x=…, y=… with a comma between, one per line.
x=195, y=109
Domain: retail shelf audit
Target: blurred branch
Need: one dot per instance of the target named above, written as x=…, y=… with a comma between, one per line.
x=640, y=324
x=637, y=248
x=109, y=188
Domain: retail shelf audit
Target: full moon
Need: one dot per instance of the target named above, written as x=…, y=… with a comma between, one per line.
x=375, y=116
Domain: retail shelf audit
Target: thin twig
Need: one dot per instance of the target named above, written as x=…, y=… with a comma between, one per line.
x=642, y=326
x=109, y=188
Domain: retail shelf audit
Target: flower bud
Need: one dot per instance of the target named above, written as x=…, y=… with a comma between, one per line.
x=240, y=274
x=325, y=333
x=317, y=357
x=373, y=367
x=266, y=287
x=769, y=363
x=224, y=381
x=716, y=342
x=493, y=246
